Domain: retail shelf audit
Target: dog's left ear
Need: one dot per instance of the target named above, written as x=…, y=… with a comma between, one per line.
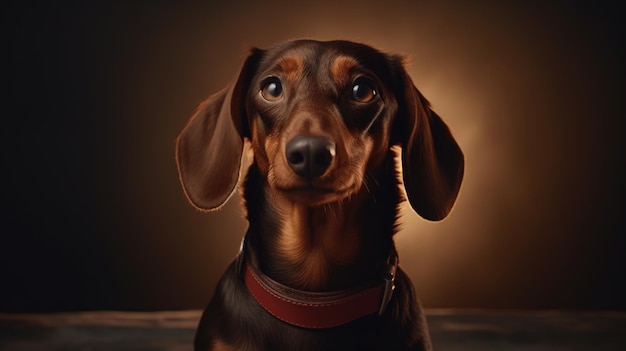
x=432, y=161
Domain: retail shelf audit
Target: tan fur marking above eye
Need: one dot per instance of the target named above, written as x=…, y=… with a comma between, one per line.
x=340, y=69
x=292, y=67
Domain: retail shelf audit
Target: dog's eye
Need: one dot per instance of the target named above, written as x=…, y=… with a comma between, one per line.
x=272, y=90
x=363, y=91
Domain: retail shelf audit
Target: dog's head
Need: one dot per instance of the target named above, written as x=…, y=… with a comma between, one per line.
x=320, y=117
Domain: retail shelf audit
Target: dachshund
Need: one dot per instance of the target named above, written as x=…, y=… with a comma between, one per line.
x=340, y=137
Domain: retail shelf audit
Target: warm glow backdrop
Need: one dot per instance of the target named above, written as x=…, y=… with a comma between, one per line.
x=94, y=217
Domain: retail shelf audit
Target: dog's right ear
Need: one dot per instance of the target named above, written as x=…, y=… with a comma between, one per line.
x=209, y=148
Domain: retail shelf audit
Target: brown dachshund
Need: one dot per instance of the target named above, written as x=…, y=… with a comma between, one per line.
x=318, y=268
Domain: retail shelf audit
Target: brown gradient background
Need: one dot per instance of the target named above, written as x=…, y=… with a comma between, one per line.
x=94, y=217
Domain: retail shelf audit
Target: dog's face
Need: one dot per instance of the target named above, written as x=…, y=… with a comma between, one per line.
x=320, y=119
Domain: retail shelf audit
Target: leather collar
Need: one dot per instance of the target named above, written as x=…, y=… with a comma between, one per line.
x=318, y=310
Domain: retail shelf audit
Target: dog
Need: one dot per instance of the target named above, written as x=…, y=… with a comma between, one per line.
x=337, y=129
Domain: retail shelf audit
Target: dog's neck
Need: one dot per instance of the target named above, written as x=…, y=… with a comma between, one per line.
x=328, y=247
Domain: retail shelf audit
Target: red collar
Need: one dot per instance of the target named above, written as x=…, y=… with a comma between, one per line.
x=317, y=310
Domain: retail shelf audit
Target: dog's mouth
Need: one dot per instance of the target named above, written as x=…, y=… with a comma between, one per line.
x=316, y=194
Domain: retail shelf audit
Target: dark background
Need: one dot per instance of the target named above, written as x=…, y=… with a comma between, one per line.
x=93, y=216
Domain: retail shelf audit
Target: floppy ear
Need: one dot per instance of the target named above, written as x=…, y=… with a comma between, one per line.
x=209, y=148
x=432, y=162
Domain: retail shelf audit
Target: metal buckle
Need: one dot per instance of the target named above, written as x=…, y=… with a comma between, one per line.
x=390, y=277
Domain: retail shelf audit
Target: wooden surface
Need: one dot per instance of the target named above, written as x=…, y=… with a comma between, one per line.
x=450, y=329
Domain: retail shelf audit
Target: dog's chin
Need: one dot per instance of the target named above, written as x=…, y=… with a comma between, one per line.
x=316, y=195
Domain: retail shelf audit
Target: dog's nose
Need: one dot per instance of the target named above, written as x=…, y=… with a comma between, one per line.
x=310, y=156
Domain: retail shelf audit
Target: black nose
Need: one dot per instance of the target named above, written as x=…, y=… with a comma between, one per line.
x=310, y=156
